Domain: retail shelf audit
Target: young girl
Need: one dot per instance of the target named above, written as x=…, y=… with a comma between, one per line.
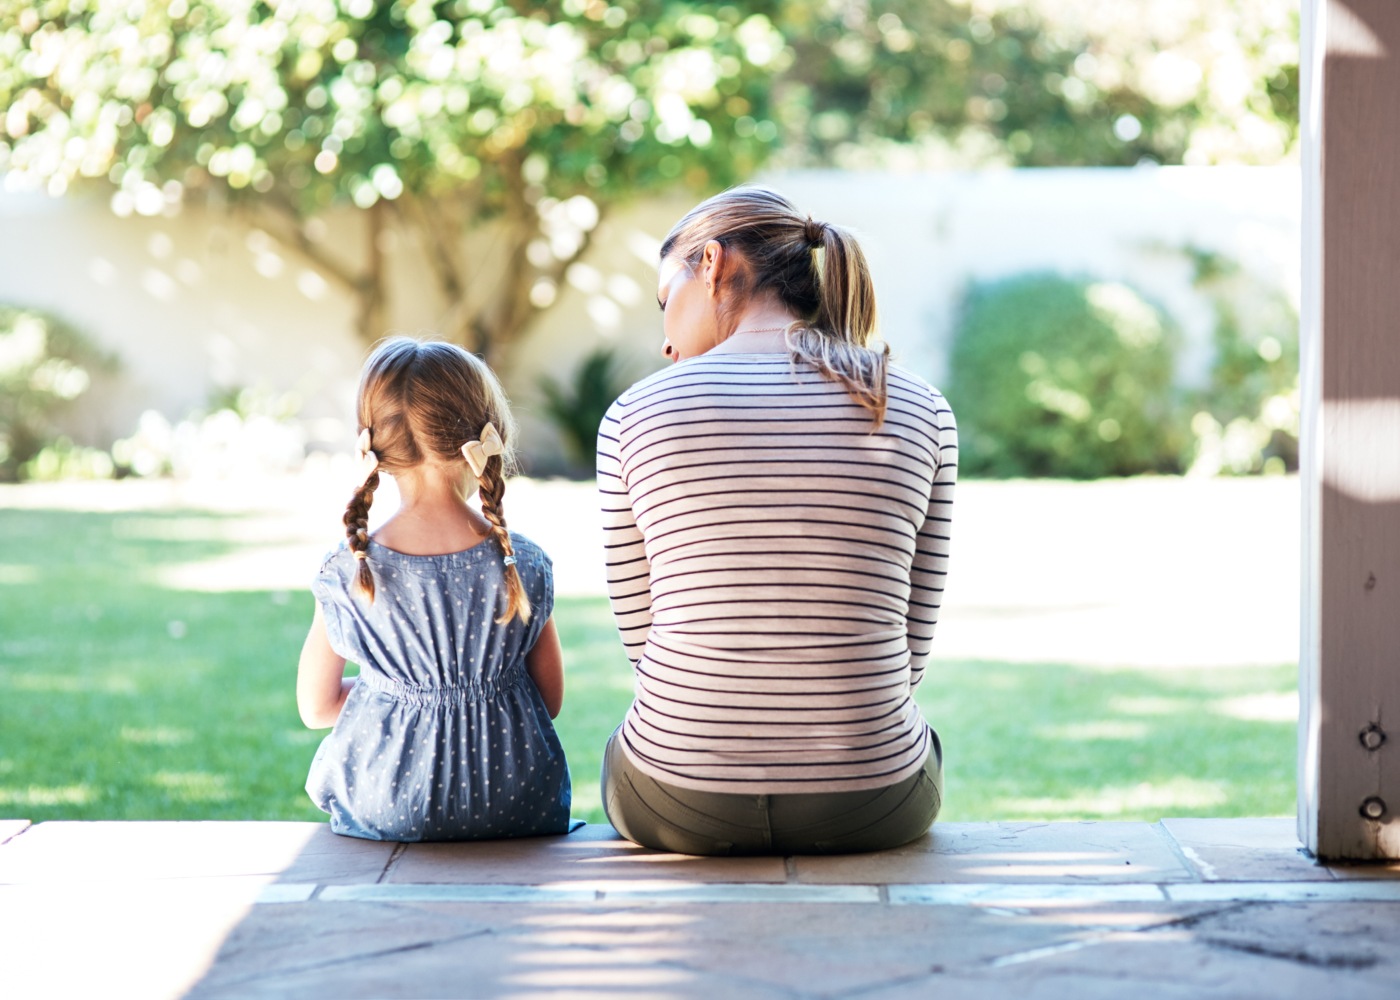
x=446, y=733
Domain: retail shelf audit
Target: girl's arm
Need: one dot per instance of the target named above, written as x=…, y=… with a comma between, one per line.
x=545, y=663
x=322, y=686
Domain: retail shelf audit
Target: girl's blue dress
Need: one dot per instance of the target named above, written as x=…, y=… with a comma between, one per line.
x=444, y=736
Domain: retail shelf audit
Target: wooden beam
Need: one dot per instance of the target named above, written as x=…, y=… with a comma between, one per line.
x=1349, y=726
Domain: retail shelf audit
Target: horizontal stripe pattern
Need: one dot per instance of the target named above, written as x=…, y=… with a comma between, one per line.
x=776, y=566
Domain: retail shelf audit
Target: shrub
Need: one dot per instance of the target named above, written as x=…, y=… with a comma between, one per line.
x=45, y=364
x=1246, y=416
x=1056, y=376
x=578, y=408
x=244, y=432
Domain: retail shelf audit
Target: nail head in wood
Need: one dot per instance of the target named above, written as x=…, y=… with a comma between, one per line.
x=1372, y=737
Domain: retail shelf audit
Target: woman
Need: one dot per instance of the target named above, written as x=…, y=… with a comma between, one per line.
x=776, y=509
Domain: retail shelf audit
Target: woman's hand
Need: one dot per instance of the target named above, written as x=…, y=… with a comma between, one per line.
x=322, y=686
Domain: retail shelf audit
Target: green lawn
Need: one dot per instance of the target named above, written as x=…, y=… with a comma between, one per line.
x=121, y=698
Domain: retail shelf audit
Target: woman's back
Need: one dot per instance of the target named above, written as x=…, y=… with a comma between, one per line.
x=781, y=606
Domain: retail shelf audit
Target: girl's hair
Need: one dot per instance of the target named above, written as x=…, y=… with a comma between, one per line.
x=421, y=401
x=816, y=269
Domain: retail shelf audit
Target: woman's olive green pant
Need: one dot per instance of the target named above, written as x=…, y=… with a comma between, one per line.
x=670, y=818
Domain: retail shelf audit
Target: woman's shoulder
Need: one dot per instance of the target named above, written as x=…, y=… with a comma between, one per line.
x=905, y=386
x=702, y=370
x=644, y=387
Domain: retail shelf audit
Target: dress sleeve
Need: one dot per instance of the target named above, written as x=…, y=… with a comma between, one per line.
x=629, y=572
x=930, y=569
x=540, y=588
x=332, y=591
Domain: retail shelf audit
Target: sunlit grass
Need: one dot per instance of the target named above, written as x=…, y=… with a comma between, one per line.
x=122, y=699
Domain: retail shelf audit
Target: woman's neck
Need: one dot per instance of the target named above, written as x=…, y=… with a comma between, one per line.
x=760, y=329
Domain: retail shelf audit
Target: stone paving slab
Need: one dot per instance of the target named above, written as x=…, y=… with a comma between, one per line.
x=150, y=940
x=1019, y=852
x=79, y=853
x=1033, y=911
x=794, y=951
x=12, y=828
x=594, y=853
x=1254, y=850
x=1244, y=849
x=724, y=950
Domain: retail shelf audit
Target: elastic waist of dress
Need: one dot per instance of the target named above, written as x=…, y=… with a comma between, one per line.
x=446, y=694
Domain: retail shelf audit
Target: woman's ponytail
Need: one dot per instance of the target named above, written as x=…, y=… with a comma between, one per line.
x=818, y=271
x=834, y=342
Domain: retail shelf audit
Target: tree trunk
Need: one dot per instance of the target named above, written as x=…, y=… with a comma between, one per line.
x=371, y=292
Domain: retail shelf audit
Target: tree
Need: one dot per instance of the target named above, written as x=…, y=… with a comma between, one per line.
x=969, y=83
x=439, y=116
x=444, y=116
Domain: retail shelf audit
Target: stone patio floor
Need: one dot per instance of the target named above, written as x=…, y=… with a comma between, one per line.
x=1182, y=908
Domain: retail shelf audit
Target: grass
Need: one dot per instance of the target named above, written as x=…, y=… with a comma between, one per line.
x=124, y=698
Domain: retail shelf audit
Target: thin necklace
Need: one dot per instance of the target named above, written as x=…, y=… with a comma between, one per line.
x=765, y=329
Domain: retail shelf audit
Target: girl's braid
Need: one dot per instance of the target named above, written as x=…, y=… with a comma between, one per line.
x=357, y=532
x=492, y=492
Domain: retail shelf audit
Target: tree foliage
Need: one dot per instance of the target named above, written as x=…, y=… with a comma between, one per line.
x=1039, y=82
x=444, y=116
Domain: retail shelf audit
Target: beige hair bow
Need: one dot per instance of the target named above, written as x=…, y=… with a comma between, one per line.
x=477, y=452
x=369, y=461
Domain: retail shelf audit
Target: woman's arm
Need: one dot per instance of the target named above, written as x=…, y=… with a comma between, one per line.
x=930, y=570
x=545, y=664
x=322, y=686
x=629, y=572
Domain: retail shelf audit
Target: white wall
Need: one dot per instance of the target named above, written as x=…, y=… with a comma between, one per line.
x=200, y=301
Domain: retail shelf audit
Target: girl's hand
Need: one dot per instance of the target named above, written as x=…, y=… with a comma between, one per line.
x=322, y=686
x=545, y=663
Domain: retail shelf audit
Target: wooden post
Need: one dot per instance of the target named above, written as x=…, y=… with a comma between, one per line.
x=1349, y=726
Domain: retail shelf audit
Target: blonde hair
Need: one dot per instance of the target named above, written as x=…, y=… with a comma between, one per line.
x=421, y=401
x=816, y=270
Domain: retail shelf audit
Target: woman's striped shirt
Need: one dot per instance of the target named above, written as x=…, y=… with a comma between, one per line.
x=776, y=565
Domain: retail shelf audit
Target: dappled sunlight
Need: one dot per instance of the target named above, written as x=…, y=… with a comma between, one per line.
x=610, y=979
x=1113, y=866
x=193, y=786
x=261, y=551
x=631, y=920
x=1072, y=913
x=1071, y=910
x=644, y=857
x=1174, y=796
x=171, y=594
x=1098, y=729
x=66, y=684
x=614, y=950
x=1039, y=856
x=1151, y=705
x=12, y=574
x=46, y=796
x=253, y=567
x=1271, y=706
x=161, y=736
